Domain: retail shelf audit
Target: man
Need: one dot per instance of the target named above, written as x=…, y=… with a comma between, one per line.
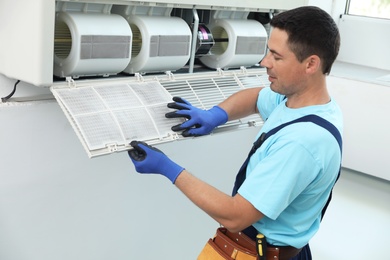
x=290, y=176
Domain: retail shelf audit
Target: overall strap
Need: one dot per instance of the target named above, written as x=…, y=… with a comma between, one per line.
x=240, y=178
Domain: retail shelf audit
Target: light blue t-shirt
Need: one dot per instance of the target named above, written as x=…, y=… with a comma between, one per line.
x=291, y=175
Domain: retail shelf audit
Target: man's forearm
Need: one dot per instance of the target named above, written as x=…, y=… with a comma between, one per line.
x=235, y=213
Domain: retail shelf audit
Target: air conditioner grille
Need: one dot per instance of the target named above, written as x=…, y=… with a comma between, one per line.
x=107, y=114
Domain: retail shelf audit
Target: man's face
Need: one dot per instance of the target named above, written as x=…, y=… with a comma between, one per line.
x=286, y=73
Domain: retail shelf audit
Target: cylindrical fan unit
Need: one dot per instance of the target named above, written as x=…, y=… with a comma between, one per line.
x=237, y=43
x=159, y=44
x=87, y=44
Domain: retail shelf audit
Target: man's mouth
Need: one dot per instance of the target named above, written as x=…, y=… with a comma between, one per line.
x=271, y=78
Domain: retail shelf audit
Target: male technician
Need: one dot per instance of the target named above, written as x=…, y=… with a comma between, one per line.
x=290, y=177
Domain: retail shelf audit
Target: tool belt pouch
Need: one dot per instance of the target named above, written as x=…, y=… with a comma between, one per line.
x=227, y=245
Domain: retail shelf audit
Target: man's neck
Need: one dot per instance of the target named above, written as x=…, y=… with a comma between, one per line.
x=316, y=93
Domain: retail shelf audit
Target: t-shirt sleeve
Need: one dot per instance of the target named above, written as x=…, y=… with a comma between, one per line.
x=267, y=101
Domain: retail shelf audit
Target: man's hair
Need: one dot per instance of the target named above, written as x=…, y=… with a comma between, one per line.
x=311, y=31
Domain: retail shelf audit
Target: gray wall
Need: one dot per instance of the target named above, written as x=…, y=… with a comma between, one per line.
x=55, y=203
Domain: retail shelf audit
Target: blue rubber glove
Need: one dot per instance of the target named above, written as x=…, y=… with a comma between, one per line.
x=148, y=159
x=199, y=121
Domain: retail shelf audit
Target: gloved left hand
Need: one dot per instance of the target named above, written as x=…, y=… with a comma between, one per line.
x=148, y=159
x=199, y=122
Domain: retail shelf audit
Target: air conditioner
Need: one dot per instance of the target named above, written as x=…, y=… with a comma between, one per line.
x=113, y=65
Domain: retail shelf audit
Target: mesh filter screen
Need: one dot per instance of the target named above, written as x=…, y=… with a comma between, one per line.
x=116, y=114
x=108, y=115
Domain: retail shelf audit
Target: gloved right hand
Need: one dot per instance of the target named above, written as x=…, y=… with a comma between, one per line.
x=199, y=121
x=148, y=159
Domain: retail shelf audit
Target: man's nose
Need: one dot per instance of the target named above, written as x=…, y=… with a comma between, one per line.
x=265, y=62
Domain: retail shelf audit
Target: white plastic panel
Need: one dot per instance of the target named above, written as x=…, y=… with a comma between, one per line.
x=217, y=4
x=108, y=114
x=27, y=40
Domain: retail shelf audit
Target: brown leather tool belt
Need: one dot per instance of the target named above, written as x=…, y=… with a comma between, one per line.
x=281, y=252
x=243, y=243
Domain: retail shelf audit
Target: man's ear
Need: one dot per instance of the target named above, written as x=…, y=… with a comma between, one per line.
x=313, y=64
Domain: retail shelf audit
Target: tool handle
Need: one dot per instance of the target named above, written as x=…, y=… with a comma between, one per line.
x=261, y=246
